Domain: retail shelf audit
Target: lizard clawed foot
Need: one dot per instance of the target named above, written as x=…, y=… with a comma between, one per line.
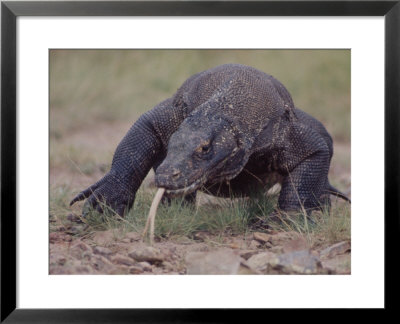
x=103, y=195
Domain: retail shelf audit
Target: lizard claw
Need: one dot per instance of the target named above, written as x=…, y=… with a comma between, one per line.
x=106, y=193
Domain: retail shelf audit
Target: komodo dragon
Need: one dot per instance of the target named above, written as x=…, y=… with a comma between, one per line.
x=225, y=131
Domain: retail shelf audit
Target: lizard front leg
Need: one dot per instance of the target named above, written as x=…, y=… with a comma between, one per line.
x=138, y=151
x=305, y=162
x=305, y=186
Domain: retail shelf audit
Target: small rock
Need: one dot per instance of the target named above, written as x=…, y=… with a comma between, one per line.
x=59, y=260
x=78, y=244
x=262, y=261
x=338, y=248
x=298, y=262
x=54, y=237
x=104, y=238
x=82, y=270
x=133, y=236
x=126, y=240
x=202, y=236
x=119, y=270
x=74, y=230
x=183, y=240
x=277, y=249
x=145, y=266
x=296, y=244
x=101, y=263
x=167, y=265
x=60, y=270
x=246, y=269
x=254, y=245
x=59, y=237
x=135, y=270
x=237, y=243
x=166, y=252
x=340, y=264
x=282, y=238
x=86, y=255
x=102, y=251
x=217, y=262
x=80, y=250
x=74, y=218
x=122, y=259
x=261, y=237
x=246, y=254
x=147, y=253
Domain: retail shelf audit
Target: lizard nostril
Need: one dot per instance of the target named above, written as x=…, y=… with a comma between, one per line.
x=175, y=173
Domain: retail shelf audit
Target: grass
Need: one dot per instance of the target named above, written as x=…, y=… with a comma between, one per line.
x=178, y=219
x=228, y=217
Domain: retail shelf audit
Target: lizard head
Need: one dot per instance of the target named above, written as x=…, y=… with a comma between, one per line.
x=203, y=150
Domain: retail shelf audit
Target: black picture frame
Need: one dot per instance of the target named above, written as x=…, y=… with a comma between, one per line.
x=10, y=10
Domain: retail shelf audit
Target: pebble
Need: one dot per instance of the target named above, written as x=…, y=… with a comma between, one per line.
x=122, y=259
x=120, y=270
x=135, y=270
x=101, y=263
x=54, y=237
x=262, y=261
x=102, y=251
x=217, y=262
x=78, y=244
x=74, y=218
x=104, y=238
x=338, y=248
x=59, y=237
x=246, y=254
x=145, y=266
x=74, y=230
x=277, y=249
x=167, y=265
x=254, y=245
x=246, y=269
x=282, y=238
x=82, y=270
x=340, y=264
x=147, y=253
x=261, y=237
x=298, y=262
x=133, y=236
x=202, y=236
x=296, y=244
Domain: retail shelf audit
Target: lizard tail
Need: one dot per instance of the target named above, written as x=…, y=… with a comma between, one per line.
x=333, y=191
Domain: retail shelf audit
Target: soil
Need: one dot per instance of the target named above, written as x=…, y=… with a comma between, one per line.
x=112, y=252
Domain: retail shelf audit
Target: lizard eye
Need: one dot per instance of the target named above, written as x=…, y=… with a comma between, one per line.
x=205, y=148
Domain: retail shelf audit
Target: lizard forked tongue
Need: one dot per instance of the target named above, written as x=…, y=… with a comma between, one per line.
x=152, y=214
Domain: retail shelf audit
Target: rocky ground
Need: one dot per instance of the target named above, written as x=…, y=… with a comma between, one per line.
x=114, y=252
